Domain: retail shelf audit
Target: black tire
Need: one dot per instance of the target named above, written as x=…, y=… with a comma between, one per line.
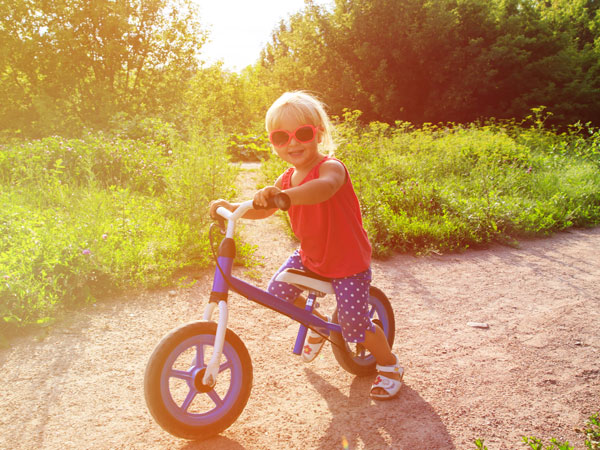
x=172, y=370
x=355, y=358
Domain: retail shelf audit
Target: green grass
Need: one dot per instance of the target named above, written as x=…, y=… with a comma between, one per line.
x=591, y=432
x=448, y=188
x=84, y=218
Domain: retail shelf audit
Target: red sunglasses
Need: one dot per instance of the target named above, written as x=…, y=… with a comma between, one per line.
x=303, y=134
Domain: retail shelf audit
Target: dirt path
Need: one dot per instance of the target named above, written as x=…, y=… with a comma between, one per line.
x=535, y=371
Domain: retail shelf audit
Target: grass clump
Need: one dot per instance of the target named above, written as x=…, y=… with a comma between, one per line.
x=591, y=431
x=86, y=217
x=445, y=188
x=442, y=188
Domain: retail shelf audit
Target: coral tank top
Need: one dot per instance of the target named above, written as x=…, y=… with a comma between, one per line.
x=333, y=242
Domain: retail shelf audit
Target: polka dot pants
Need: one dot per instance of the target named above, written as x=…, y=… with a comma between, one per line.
x=351, y=293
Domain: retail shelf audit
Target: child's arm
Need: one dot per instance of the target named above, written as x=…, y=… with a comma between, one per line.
x=332, y=176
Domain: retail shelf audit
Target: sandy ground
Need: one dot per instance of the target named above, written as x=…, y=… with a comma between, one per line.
x=534, y=372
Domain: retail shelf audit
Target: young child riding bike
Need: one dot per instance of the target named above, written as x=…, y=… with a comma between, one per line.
x=325, y=216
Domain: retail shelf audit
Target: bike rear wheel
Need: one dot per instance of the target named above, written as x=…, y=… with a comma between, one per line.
x=355, y=358
x=176, y=397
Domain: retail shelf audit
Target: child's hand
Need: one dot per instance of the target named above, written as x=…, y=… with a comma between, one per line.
x=216, y=204
x=261, y=197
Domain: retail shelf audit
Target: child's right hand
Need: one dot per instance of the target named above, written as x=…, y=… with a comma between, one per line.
x=218, y=203
x=261, y=196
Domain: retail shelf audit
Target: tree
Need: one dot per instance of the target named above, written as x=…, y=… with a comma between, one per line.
x=69, y=64
x=444, y=60
x=298, y=58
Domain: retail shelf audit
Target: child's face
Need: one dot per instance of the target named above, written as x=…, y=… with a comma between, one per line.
x=299, y=154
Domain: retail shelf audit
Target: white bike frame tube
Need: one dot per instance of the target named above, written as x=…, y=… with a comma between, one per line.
x=212, y=369
x=208, y=311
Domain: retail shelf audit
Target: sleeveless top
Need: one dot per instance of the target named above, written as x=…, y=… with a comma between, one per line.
x=333, y=242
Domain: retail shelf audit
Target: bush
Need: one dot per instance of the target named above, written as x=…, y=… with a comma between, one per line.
x=591, y=432
x=451, y=187
x=87, y=217
x=249, y=147
x=443, y=188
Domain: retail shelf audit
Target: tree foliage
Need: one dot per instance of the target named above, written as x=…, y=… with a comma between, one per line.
x=68, y=64
x=444, y=60
x=71, y=65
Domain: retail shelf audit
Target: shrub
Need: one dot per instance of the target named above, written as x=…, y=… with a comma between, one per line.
x=442, y=188
x=249, y=147
x=87, y=217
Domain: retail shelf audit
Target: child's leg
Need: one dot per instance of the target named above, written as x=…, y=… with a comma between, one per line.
x=292, y=293
x=377, y=344
x=300, y=302
x=284, y=290
x=352, y=294
x=312, y=338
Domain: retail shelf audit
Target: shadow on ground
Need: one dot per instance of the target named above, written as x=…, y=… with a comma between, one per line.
x=407, y=422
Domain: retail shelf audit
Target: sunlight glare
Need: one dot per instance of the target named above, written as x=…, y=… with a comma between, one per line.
x=239, y=29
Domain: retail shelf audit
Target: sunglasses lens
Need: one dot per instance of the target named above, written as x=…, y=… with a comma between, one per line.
x=279, y=138
x=305, y=134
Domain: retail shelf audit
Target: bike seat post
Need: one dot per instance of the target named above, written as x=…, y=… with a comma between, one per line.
x=310, y=304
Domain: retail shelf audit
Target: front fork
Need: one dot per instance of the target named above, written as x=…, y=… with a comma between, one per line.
x=219, y=294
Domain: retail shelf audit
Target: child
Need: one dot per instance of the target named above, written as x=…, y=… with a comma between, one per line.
x=325, y=216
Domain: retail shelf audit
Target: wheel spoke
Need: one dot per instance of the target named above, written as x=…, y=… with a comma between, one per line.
x=181, y=374
x=226, y=365
x=372, y=311
x=215, y=398
x=189, y=399
x=199, y=358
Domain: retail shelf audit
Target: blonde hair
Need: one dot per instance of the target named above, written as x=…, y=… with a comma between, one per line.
x=305, y=108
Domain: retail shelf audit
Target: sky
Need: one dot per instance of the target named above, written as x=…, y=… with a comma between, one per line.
x=239, y=29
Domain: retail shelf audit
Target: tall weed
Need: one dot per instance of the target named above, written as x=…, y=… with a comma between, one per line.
x=83, y=218
x=447, y=187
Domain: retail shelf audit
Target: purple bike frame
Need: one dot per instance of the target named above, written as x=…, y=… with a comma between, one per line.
x=224, y=281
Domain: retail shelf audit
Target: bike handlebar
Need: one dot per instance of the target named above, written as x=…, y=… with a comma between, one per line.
x=281, y=201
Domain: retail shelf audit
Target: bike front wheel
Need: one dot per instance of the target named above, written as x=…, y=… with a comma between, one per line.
x=175, y=394
x=355, y=358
